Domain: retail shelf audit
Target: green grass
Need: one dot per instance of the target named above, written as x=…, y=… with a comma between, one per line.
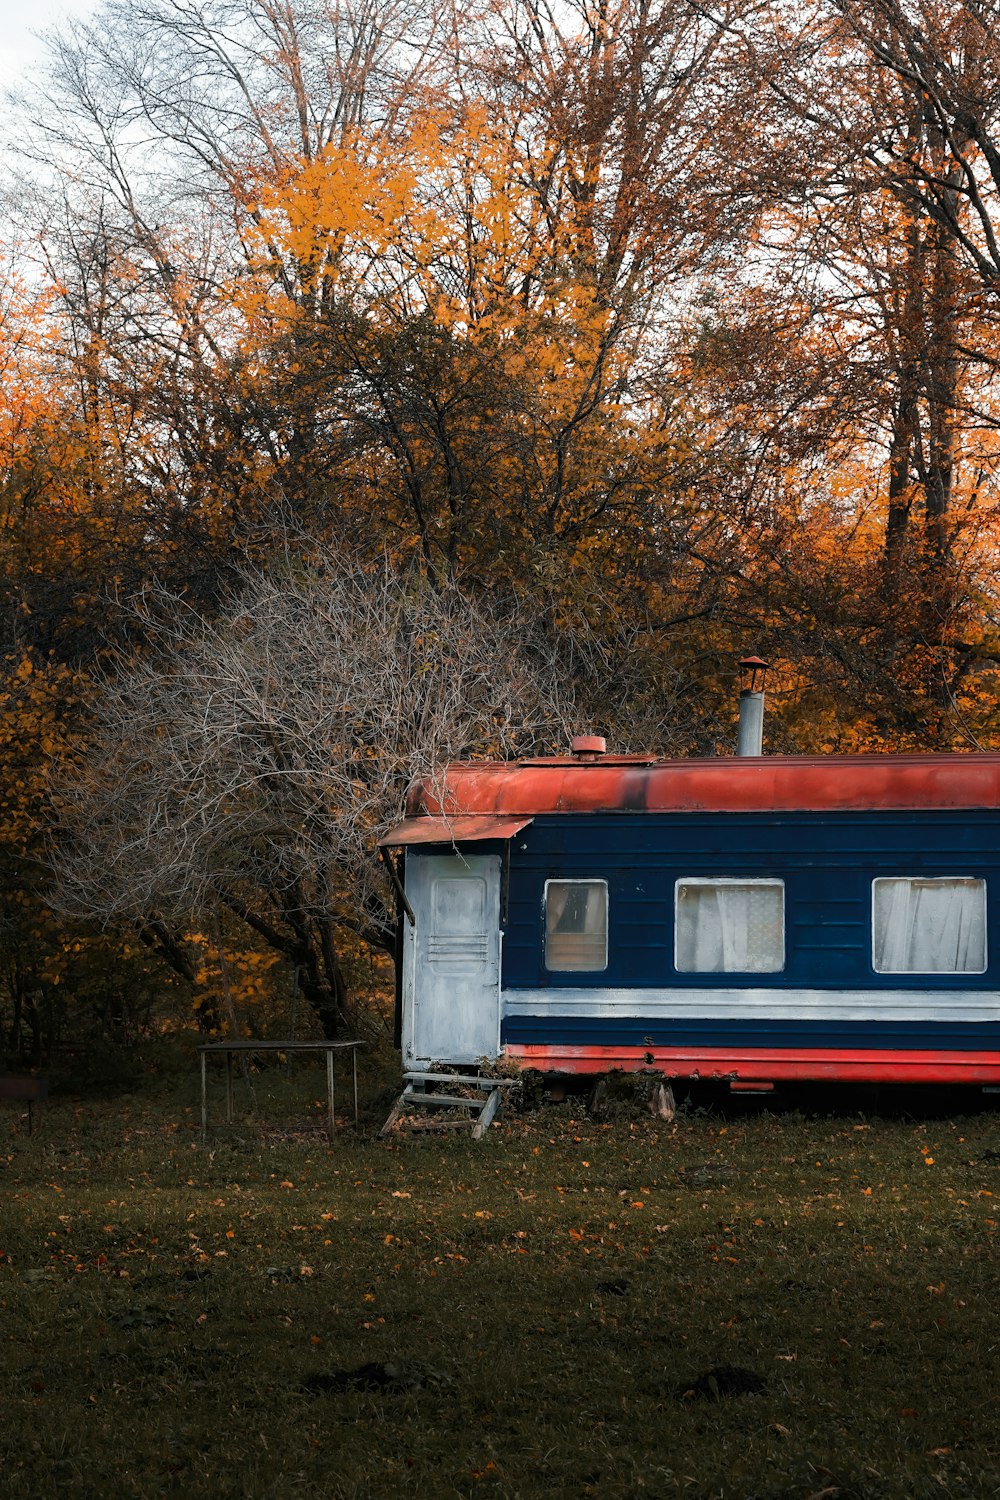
x=550, y=1295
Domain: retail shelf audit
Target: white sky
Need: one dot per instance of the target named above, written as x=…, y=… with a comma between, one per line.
x=20, y=49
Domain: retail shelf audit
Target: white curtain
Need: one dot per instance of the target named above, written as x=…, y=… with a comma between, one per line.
x=730, y=926
x=929, y=926
x=576, y=925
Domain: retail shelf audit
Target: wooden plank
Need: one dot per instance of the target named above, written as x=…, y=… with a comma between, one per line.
x=386, y=857
x=486, y=1118
x=395, y=1115
x=13, y=1086
x=290, y=1045
x=469, y=1081
x=442, y=1101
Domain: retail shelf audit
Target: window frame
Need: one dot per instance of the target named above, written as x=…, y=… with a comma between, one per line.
x=573, y=880
x=731, y=880
x=979, y=880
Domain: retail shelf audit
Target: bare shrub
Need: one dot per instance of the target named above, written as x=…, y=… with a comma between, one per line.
x=248, y=765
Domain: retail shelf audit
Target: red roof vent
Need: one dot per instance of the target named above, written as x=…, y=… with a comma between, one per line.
x=588, y=744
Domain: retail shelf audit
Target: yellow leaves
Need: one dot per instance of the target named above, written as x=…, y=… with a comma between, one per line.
x=331, y=202
x=441, y=222
x=38, y=733
x=233, y=977
x=34, y=383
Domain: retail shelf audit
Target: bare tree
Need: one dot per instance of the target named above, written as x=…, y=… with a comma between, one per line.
x=251, y=764
x=939, y=148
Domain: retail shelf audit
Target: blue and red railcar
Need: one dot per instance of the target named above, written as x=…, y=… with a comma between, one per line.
x=751, y=919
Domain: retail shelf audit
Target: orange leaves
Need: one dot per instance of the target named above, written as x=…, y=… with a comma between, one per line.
x=38, y=706
x=330, y=206
x=231, y=979
x=34, y=383
x=428, y=296
x=440, y=223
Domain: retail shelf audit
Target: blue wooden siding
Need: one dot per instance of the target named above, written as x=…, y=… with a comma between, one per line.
x=827, y=863
x=736, y=1034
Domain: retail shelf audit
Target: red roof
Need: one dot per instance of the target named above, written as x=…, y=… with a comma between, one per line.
x=770, y=783
x=451, y=830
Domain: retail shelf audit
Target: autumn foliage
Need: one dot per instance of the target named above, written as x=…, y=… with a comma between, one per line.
x=674, y=327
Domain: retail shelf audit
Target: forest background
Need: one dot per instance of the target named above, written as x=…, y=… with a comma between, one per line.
x=388, y=382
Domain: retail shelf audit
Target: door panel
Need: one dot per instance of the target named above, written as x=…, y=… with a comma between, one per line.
x=451, y=959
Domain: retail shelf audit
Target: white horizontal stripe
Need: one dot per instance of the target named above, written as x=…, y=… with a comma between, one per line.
x=756, y=1004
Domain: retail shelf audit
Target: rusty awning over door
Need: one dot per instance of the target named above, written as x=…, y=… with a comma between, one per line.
x=460, y=829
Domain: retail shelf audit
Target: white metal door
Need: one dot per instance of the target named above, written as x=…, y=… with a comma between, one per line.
x=451, y=959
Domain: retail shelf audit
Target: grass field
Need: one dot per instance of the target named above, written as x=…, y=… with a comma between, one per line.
x=536, y=1315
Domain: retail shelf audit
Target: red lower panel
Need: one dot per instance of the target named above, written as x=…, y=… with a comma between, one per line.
x=766, y=1063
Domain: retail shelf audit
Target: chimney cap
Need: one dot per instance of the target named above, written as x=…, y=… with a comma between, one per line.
x=588, y=744
x=753, y=671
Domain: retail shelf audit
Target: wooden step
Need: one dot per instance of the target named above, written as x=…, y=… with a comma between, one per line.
x=412, y=1101
x=471, y=1081
x=440, y=1101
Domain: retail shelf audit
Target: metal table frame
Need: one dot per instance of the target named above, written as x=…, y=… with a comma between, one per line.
x=229, y=1048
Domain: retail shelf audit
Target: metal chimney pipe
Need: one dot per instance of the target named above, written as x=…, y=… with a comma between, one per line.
x=750, y=734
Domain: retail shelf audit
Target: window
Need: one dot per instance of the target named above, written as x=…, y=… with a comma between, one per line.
x=935, y=926
x=458, y=938
x=730, y=926
x=576, y=925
